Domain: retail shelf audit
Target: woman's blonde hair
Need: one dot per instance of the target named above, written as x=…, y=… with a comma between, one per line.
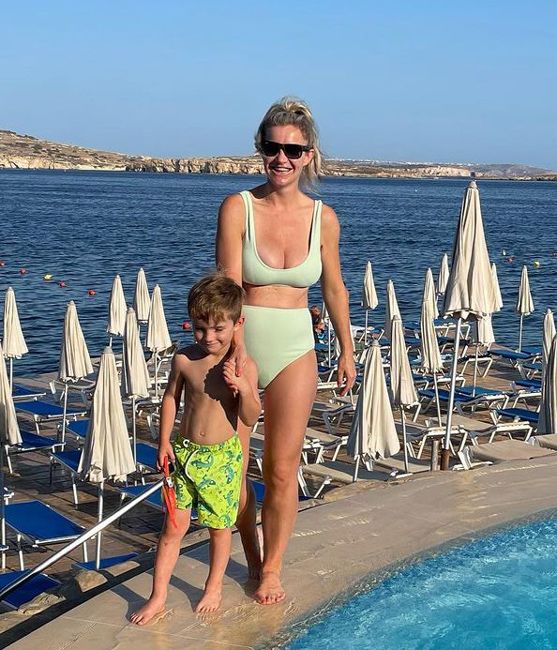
x=294, y=111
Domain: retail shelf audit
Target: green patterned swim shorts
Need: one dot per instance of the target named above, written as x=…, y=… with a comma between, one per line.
x=208, y=478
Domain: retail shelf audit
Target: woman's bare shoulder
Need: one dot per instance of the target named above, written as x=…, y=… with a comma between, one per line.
x=329, y=217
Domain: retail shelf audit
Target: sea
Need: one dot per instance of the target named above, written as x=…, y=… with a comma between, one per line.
x=83, y=228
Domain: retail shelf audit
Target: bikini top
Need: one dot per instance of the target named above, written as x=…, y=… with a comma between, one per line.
x=256, y=272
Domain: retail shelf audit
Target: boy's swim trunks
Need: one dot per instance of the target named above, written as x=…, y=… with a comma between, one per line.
x=208, y=478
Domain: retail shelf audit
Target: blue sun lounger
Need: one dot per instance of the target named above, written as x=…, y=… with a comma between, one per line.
x=28, y=590
x=20, y=393
x=29, y=442
x=42, y=411
x=40, y=525
x=531, y=417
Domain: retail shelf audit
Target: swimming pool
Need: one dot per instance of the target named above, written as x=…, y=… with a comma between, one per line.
x=496, y=592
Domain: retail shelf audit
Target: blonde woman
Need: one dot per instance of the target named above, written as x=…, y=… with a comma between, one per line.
x=276, y=241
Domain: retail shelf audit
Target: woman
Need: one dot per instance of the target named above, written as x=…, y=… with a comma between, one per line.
x=276, y=241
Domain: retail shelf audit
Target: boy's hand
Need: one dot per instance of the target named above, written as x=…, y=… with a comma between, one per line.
x=165, y=450
x=236, y=384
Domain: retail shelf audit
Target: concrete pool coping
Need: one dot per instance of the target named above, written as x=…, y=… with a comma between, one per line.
x=334, y=547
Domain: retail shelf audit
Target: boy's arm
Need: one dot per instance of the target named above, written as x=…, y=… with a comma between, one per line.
x=249, y=406
x=169, y=407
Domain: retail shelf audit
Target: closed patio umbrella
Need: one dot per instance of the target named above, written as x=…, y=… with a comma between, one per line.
x=391, y=308
x=524, y=303
x=547, y=422
x=116, y=310
x=443, y=276
x=403, y=391
x=431, y=355
x=9, y=435
x=13, y=342
x=548, y=336
x=369, y=295
x=470, y=289
x=373, y=432
x=496, y=288
x=75, y=362
x=106, y=452
x=158, y=338
x=135, y=375
x=141, y=298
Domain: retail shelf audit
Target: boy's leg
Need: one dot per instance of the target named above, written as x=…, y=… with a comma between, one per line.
x=219, y=554
x=167, y=554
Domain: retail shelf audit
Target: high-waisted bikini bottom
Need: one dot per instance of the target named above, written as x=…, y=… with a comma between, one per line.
x=276, y=337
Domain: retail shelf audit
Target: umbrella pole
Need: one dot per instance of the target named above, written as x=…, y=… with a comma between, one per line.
x=520, y=333
x=2, y=507
x=475, y=371
x=110, y=341
x=437, y=404
x=99, y=519
x=156, y=375
x=403, y=419
x=329, y=343
x=65, y=412
x=134, y=432
x=445, y=452
x=365, y=334
x=11, y=374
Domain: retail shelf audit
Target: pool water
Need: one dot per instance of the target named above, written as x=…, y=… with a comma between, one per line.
x=496, y=592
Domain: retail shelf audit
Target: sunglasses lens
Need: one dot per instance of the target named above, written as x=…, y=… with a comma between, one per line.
x=293, y=150
x=270, y=148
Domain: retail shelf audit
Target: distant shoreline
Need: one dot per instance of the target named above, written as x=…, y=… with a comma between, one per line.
x=27, y=152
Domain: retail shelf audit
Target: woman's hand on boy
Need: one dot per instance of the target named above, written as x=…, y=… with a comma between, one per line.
x=236, y=384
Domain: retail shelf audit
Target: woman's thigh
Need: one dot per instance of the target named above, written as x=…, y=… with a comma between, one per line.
x=288, y=401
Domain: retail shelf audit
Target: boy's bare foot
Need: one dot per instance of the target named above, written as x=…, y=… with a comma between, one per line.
x=270, y=591
x=210, y=601
x=146, y=613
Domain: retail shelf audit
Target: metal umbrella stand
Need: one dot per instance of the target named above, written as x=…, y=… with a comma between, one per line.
x=470, y=289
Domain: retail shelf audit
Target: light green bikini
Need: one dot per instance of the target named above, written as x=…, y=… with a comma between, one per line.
x=275, y=337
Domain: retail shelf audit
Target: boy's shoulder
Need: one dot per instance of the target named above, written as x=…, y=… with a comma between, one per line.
x=188, y=354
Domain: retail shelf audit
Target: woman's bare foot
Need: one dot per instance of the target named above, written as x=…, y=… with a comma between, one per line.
x=146, y=613
x=210, y=601
x=270, y=591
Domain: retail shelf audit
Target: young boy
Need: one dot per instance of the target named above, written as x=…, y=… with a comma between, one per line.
x=207, y=455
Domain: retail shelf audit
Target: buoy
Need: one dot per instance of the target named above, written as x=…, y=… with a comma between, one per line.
x=91, y=292
x=186, y=325
x=554, y=253
x=536, y=264
x=503, y=252
x=61, y=283
x=2, y=263
x=22, y=271
x=47, y=277
x=509, y=259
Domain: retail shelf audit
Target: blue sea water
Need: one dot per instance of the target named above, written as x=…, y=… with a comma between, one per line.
x=499, y=592
x=84, y=227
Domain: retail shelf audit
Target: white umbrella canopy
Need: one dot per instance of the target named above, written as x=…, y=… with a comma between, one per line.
x=135, y=380
x=391, y=308
x=107, y=452
x=75, y=362
x=158, y=338
x=403, y=391
x=496, y=288
x=524, y=303
x=484, y=331
x=9, y=428
x=117, y=309
x=429, y=290
x=369, y=295
x=548, y=335
x=547, y=422
x=431, y=355
x=373, y=433
x=13, y=342
x=443, y=276
x=141, y=298
x=470, y=288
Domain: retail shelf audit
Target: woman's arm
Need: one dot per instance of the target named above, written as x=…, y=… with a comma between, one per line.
x=228, y=255
x=336, y=297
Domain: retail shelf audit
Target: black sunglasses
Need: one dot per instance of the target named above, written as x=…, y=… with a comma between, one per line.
x=291, y=151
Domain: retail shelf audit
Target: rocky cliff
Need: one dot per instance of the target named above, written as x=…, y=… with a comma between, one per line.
x=27, y=152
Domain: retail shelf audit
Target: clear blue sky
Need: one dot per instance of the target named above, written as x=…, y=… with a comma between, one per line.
x=390, y=80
